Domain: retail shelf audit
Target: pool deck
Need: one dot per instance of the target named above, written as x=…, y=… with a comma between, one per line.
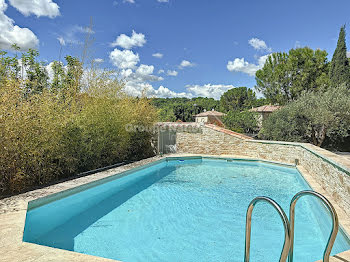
x=13, y=213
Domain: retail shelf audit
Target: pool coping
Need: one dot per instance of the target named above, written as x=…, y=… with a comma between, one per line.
x=13, y=211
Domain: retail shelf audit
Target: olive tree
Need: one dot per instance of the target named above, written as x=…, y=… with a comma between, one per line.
x=311, y=118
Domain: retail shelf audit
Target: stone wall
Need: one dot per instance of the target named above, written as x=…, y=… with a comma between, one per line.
x=326, y=168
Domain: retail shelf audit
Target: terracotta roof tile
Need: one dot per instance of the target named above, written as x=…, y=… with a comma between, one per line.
x=265, y=108
x=211, y=113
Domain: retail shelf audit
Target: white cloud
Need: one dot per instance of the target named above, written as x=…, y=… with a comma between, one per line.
x=259, y=44
x=145, y=69
x=166, y=92
x=36, y=7
x=136, y=86
x=13, y=34
x=139, y=89
x=125, y=73
x=186, y=63
x=163, y=1
x=144, y=73
x=137, y=80
x=72, y=35
x=124, y=59
x=158, y=55
x=61, y=40
x=82, y=29
x=137, y=83
x=240, y=65
x=128, y=42
x=208, y=90
x=129, y=1
x=98, y=60
x=172, y=73
x=348, y=54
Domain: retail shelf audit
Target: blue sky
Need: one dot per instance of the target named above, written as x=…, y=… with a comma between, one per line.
x=219, y=43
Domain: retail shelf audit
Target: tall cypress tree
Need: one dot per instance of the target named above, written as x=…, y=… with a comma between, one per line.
x=339, y=72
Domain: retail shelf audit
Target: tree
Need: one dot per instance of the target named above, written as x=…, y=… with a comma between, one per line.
x=242, y=122
x=72, y=81
x=9, y=67
x=339, y=72
x=311, y=118
x=166, y=115
x=285, y=76
x=184, y=109
x=286, y=124
x=58, y=76
x=328, y=114
x=238, y=98
x=36, y=74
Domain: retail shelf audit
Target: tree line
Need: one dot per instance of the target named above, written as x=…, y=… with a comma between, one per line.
x=184, y=109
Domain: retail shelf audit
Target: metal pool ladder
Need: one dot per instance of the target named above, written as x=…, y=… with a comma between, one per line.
x=284, y=218
x=287, y=250
x=335, y=222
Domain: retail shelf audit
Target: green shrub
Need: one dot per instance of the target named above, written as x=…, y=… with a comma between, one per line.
x=312, y=118
x=242, y=122
x=286, y=124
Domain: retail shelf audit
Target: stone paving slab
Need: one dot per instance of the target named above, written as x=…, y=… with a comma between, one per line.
x=13, y=212
x=344, y=155
x=342, y=257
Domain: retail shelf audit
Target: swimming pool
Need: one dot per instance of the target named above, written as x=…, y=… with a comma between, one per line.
x=189, y=209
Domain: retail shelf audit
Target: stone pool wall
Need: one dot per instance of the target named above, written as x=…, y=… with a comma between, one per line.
x=328, y=169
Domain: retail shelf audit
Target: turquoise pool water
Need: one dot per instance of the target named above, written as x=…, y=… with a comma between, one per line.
x=183, y=210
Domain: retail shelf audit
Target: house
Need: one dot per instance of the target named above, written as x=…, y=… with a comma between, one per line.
x=264, y=112
x=210, y=117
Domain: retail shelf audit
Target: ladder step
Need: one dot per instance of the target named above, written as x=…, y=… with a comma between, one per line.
x=288, y=245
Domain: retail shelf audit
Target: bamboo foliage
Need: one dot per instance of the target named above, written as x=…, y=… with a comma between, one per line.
x=73, y=123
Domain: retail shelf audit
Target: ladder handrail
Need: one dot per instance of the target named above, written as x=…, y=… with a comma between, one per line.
x=335, y=223
x=286, y=244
